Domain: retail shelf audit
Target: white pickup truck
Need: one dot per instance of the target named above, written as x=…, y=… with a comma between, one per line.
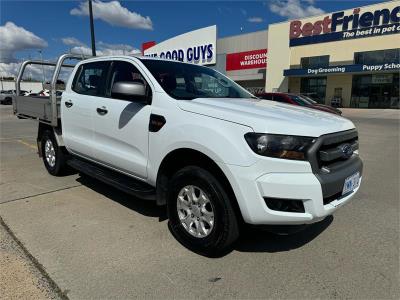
x=191, y=139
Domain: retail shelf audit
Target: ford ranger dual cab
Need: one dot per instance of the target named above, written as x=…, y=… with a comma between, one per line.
x=190, y=138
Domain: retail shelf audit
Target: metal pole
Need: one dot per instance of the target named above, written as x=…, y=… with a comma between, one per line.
x=92, y=28
x=44, y=78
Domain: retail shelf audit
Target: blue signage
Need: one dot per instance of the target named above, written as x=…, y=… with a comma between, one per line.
x=342, y=69
x=357, y=25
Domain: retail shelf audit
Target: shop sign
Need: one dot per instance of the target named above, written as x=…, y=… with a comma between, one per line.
x=254, y=59
x=147, y=45
x=382, y=78
x=197, y=47
x=342, y=69
x=339, y=26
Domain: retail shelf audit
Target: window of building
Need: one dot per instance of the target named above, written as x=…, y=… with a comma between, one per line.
x=314, y=87
x=376, y=91
x=377, y=57
x=315, y=61
x=90, y=78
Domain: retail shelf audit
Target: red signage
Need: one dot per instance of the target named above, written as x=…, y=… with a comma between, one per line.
x=147, y=45
x=254, y=59
x=298, y=29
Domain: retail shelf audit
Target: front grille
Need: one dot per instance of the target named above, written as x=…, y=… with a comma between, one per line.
x=328, y=150
x=331, y=169
x=331, y=151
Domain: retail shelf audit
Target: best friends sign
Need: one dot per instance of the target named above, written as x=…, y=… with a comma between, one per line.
x=340, y=26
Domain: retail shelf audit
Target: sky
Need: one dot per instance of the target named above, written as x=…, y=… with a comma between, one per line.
x=55, y=27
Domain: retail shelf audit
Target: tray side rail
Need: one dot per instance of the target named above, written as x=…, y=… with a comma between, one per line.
x=43, y=109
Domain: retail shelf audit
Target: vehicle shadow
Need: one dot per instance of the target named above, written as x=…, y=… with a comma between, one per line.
x=252, y=239
x=260, y=240
x=145, y=207
x=128, y=113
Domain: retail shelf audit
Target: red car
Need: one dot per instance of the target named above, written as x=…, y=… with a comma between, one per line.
x=298, y=100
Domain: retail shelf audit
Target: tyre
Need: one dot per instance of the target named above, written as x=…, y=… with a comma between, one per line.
x=201, y=215
x=8, y=101
x=53, y=156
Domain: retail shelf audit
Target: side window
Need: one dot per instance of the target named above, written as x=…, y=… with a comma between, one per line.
x=89, y=79
x=126, y=72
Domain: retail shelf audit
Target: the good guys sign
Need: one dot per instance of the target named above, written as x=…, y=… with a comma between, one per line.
x=198, y=47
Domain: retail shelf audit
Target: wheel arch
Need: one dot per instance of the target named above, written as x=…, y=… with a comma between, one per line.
x=57, y=131
x=179, y=158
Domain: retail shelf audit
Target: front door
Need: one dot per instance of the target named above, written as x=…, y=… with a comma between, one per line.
x=77, y=107
x=121, y=124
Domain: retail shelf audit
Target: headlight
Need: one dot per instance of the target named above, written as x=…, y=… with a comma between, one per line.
x=279, y=146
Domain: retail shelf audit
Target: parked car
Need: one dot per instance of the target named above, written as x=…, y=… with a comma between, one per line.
x=190, y=138
x=44, y=93
x=298, y=100
x=6, y=97
x=315, y=103
x=314, y=97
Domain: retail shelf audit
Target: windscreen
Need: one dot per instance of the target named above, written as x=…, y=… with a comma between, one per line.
x=309, y=99
x=186, y=82
x=300, y=100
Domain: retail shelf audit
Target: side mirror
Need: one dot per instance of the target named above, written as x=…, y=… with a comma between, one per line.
x=129, y=90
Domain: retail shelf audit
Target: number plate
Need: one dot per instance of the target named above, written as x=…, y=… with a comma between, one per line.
x=351, y=183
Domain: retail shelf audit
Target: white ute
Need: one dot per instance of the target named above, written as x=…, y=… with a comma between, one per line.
x=193, y=140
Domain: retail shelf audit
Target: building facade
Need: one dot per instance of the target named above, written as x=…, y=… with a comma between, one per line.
x=350, y=57
x=242, y=57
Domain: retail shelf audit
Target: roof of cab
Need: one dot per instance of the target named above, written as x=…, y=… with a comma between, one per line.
x=139, y=57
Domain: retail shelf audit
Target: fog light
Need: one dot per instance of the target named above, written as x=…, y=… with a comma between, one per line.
x=286, y=205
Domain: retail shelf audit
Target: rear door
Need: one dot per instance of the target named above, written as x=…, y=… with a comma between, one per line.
x=122, y=123
x=78, y=106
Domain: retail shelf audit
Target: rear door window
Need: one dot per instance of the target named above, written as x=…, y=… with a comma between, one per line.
x=90, y=78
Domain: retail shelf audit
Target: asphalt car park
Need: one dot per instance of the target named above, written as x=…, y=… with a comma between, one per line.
x=89, y=240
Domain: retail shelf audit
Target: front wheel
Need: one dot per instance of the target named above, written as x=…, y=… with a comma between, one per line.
x=201, y=215
x=53, y=156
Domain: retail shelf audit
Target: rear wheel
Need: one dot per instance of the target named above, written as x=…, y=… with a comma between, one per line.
x=201, y=216
x=53, y=156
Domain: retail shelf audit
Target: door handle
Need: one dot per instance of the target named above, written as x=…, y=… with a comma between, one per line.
x=68, y=103
x=102, y=110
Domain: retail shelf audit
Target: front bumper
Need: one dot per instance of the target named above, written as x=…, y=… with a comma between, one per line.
x=252, y=184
